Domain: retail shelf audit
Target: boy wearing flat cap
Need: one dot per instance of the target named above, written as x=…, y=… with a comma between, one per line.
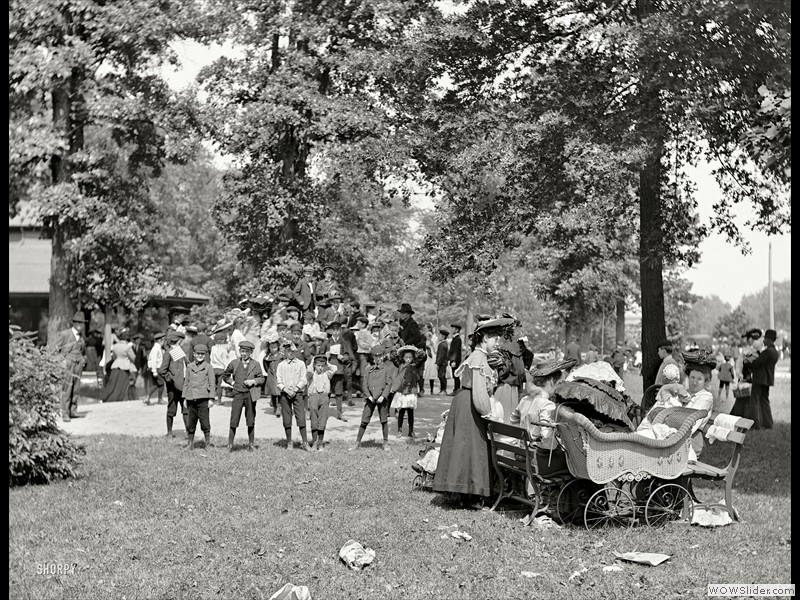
x=244, y=375
x=198, y=390
x=319, y=389
x=341, y=355
x=173, y=372
x=377, y=388
x=291, y=376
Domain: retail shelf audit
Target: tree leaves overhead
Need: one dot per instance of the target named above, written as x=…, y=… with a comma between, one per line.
x=552, y=109
x=309, y=114
x=90, y=122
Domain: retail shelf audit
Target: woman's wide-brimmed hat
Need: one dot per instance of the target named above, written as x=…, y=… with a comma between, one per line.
x=754, y=333
x=701, y=358
x=551, y=366
x=494, y=323
x=407, y=348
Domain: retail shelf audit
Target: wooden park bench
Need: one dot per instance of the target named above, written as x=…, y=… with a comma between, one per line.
x=701, y=470
x=514, y=460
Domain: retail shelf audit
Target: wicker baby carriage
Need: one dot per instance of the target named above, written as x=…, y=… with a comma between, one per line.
x=623, y=476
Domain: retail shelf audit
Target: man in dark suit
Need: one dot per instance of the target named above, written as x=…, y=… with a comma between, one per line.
x=411, y=335
x=71, y=344
x=442, y=351
x=454, y=355
x=763, y=370
x=304, y=291
x=409, y=328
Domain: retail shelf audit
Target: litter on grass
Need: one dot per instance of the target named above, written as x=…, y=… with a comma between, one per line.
x=292, y=592
x=711, y=516
x=645, y=558
x=530, y=574
x=460, y=535
x=540, y=522
x=355, y=556
x=612, y=568
x=577, y=576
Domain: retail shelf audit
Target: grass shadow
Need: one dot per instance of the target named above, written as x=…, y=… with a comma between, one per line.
x=766, y=461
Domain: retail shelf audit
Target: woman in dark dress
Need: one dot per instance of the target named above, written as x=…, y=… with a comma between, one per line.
x=119, y=378
x=507, y=361
x=464, y=461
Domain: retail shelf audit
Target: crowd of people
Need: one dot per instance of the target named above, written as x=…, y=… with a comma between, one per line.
x=308, y=353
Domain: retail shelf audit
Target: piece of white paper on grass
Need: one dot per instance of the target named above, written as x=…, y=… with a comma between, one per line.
x=645, y=558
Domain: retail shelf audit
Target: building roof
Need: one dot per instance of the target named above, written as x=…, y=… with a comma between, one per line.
x=29, y=270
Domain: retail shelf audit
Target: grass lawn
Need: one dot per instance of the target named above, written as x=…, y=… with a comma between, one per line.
x=149, y=519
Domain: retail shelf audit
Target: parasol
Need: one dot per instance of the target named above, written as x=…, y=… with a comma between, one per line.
x=604, y=398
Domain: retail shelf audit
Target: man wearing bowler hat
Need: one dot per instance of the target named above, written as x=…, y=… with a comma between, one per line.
x=71, y=344
x=762, y=368
x=411, y=334
x=454, y=356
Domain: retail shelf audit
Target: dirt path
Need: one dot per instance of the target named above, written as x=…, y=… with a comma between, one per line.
x=135, y=418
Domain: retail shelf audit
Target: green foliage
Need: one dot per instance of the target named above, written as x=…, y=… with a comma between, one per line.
x=731, y=327
x=757, y=306
x=678, y=302
x=38, y=451
x=89, y=124
x=556, y=112
x=704, y=314
x=309, y=115
x=190, y=244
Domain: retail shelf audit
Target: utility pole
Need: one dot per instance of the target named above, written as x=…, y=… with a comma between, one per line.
x=771, y=300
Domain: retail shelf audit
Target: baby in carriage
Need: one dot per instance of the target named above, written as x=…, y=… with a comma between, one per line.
x=426, y=465
x=671, y=394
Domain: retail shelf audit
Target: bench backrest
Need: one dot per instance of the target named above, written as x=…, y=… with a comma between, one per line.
x=514, y=442
x=737, y=433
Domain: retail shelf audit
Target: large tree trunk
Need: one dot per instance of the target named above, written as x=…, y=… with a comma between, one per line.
x=651, y=264
x=68, y=119
x=60, y=304
x=651, y=238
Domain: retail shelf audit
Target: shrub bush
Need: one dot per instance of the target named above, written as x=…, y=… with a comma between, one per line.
x=38, y=450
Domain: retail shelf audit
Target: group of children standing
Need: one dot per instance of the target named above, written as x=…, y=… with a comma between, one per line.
x=296, y=387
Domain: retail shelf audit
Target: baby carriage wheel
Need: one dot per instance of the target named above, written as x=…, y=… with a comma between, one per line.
x=609, y=506
x=418, y=479
x=668, y=502
x=572, y=499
